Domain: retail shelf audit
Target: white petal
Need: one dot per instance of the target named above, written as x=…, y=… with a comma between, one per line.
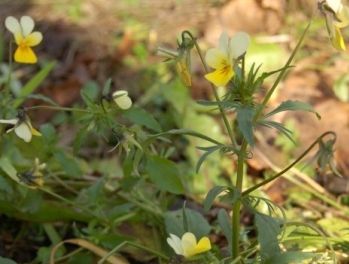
x=224, y=42
x=188, y=241
x=216, y=57
x=175, y=243
x=23, y=132
x=12, y=24
x=335, y=5
x=239, y=44
x=27, y=25
x=120, y=93
x=122, y=100
x=9, y=121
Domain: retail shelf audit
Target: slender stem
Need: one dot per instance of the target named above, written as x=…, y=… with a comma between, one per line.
x=291, y=165
x=224, y=116
x=58, y=108
x=10, y=62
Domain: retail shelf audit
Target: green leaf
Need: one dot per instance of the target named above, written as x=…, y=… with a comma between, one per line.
x=7, y=261
x=89, y=93
x=278, y=126
x=290, y=257
x=211, y=196
x=43, y=98
x=208, y=151
x=245, y=116
x=197, y=224
x=107, y=86
x=225, y=223
x=143, y=118
x=9, y=169
x=34, y=83
x=268, y=230
x=69, y=164
x=293, y=106
x=164, y=174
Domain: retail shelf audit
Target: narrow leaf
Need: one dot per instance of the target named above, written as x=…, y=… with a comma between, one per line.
x=141, y=117
x=293, y=106
x=224, y=223
x=34, y=83
x=245, y=122
x=211, y=196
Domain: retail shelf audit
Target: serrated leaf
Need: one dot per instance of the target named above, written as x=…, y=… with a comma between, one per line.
x=211, y=196
x=225, y=223
x=293, y=106
x=143, y=118
x=268, y=230
x=245, y=122
x=164, y=174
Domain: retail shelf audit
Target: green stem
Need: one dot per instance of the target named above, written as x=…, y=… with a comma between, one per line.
x=221, y=110
x=291, y=165
x=280, y=76
x=58, y=108
x=237, y=205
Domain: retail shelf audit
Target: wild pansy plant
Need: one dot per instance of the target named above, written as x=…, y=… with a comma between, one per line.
x=242, y=86
x=25, y=38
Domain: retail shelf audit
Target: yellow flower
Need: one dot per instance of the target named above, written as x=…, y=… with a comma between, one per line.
x=337, y=17
x=188, y=246
x=22, y=127
x=24, y=38
x=222, y=59
x=122, y=100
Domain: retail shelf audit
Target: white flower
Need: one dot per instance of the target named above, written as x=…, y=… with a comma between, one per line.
x=188, y=246
x=22, y=127
x=122, y=100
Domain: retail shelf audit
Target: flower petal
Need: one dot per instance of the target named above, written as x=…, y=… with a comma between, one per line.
x=239, y=44
x=337, y=39
x=27, y=25
x=335, y=5
x=220, y=77
x=25, y=55
x=12, y=24
x=34, y=38
x=224, y=42
x=23, y=132
x=175, y=243
x=216, y=58
x=122, y=100
x=188, y=244
x=9, y=121
x=203, y=245
x=343, y=17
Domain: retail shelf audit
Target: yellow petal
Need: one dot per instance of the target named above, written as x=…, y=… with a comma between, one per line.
x=220, y=77
x=188, y=244
x=25, y=55
x=216, y=58
x=35, y=132
x=203, y=245
x=184, y=72
x=27, y=25
x=33, y=39
x=337, y=40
